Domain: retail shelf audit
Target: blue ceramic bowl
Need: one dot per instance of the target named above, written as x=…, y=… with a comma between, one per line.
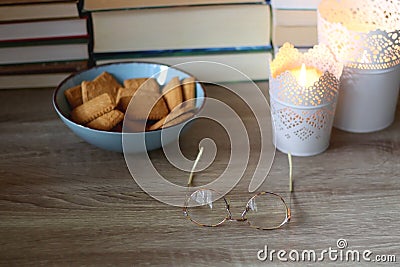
x=138, y=142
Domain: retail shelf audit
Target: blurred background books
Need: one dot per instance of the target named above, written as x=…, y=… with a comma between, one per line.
x=235, y=33
x=43, y=41
x=294, y=22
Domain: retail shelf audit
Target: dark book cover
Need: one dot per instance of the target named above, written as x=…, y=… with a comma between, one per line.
x=46, y=67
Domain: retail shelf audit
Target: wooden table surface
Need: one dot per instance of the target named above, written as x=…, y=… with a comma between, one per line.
x=64, y=202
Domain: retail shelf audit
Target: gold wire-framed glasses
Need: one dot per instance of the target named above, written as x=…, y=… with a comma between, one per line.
x=264, y=210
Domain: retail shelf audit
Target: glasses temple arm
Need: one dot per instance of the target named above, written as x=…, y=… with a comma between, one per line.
x=290, y=173
x=194, y=166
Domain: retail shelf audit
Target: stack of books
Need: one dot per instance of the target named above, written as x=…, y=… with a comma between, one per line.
x=235, y=33
x=41, y=42
x=294, y=22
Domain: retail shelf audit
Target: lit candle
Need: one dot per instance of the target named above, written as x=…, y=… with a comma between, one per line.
x=364, y=36
x=303, y=89
x=306, y=76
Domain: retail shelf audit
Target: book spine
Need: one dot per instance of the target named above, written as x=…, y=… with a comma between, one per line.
x=47, y=67
x=181, y=52
x=45, y=41
x=22, y=2
x=110, y=6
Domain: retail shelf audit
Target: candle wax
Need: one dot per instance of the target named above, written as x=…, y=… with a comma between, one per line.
x=306, y=76
x=359, y=27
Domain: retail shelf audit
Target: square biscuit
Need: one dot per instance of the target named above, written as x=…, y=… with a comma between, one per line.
x=107, y=121
x=134, y=84
x=172, y=93
x=74, y=96
x=92, y=109
x=149, y=106
x=104, y=83
x=189, y=88
x=172, y=116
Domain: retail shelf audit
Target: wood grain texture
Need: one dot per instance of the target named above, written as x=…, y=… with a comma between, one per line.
x=64, y=202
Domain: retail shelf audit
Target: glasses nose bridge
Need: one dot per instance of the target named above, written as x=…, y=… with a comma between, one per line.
x=241, y=219
x=232, y=219
x=235, y=219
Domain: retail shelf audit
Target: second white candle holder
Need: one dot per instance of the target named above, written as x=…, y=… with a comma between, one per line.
x=365, y=37
x=303, y=116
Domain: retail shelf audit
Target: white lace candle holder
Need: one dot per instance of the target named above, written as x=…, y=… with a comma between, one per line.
x=365, y=37
x=303, y=115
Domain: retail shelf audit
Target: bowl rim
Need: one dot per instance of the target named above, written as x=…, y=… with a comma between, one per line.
x=58, y=88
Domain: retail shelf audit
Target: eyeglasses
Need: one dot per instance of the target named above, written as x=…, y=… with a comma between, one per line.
x=265, y=210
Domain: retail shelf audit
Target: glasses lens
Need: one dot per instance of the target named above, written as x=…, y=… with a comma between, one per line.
x=266, y=211
x=207, y=207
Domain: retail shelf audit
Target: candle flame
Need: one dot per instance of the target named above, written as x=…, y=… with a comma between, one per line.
x=303, y=75
x=306, y=76
x=364, y=58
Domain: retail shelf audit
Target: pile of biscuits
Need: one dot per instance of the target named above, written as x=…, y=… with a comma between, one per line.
x=102, y=104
